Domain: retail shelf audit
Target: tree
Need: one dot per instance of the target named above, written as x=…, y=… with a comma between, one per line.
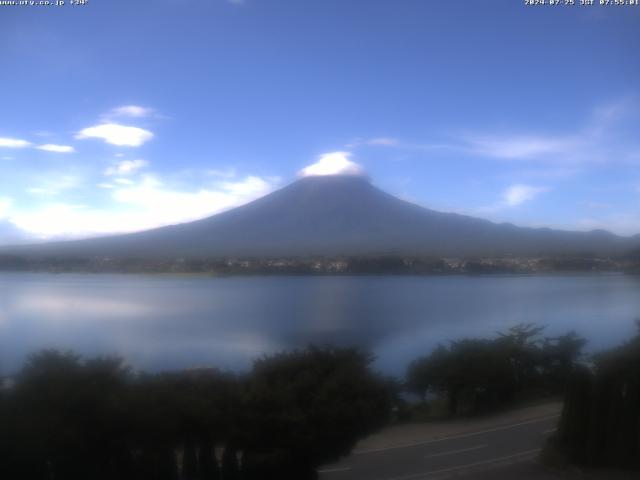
x=600, y=423
x=476, y=375
x=560, y=355
x=522, y=347
x=68, y=417
x=309, y=407
x=428, y=374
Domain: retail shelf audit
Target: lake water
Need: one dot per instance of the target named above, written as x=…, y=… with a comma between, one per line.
x=170, y=322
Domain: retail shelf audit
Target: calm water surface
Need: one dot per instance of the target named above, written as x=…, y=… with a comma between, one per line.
x=169, y=322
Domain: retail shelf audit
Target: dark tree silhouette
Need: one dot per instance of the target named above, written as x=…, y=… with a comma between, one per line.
x=68, y=419
x=600, y=423
x=309, y=407
x=477, y=375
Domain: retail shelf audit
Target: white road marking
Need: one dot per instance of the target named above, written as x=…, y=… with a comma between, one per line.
x=455, y=437
x=334, y=470
x=453, y=452
x=468, y=465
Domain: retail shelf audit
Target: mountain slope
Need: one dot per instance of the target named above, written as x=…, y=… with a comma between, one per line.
x=336, y=215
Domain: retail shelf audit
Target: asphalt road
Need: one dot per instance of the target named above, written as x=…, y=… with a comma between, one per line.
x=473, y=454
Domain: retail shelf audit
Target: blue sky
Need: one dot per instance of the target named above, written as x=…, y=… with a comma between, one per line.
x=123, y=115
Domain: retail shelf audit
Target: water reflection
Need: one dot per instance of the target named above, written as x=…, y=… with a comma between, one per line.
x=160, y=322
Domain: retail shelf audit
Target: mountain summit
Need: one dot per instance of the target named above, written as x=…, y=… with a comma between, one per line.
x=337, y=215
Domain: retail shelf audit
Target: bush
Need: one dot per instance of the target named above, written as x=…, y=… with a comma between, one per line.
x=68, y=419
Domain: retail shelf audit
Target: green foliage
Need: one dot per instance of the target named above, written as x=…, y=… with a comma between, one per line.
x=600, y=423
x=67, y=418
x=64, y=415
x=312, y=406
x=477, y=375
x=558, y=358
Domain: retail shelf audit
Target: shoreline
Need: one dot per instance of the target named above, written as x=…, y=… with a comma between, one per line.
x=325, y=274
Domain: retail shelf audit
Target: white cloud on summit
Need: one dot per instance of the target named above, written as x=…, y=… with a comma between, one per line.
x=116, y=134
x=333, y=163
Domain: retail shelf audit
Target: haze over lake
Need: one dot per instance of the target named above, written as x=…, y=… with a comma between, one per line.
x=173, y=322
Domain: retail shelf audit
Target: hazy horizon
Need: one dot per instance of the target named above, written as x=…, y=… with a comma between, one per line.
x=326, y=167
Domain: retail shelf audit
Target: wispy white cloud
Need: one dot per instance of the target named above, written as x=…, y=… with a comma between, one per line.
x=135, y=111
x=5, y=204
x=50, y=147
x=13, y=143
x=518, y=194
x=604, y=138
x=544, y=172
x=124, y=181
x=520, y=147
x=54, y=184
x=455, y=145
x=116, y=134
x=375, y=142
x=139, y=205
x=222, y=173
x=611, y=112
x=333, y=163
x=126, y=167
x=383, y=141
x=251, y=187
x=152, y=194
x=511, y=197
